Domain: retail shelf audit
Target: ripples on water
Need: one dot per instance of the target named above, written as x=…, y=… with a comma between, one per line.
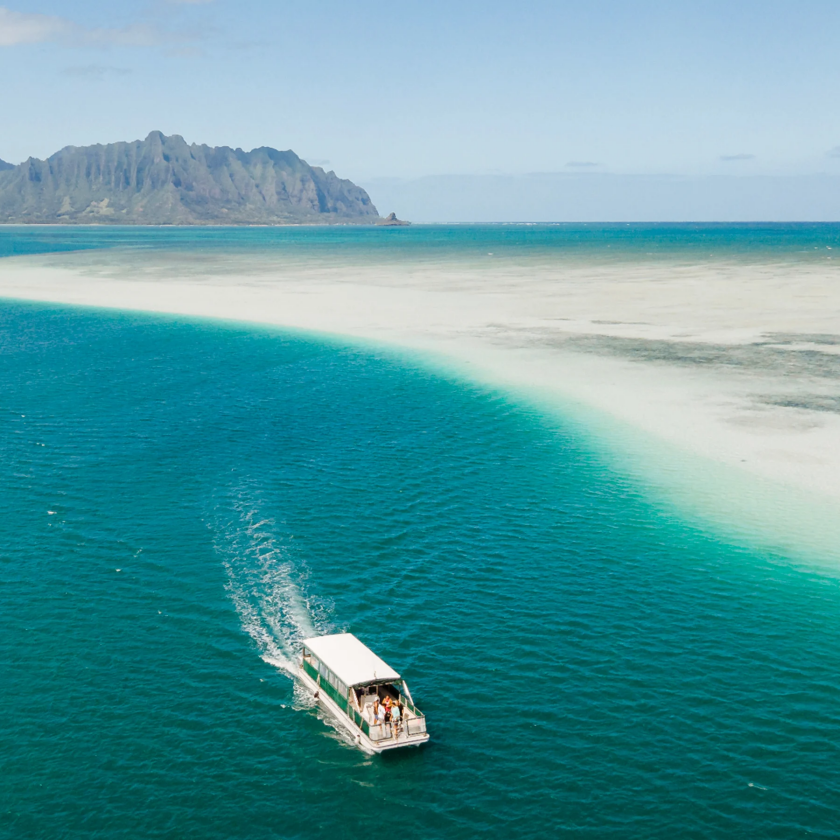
x=802, y=243
x=183, y=501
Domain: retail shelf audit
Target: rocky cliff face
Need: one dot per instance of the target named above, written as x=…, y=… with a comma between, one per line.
x=4, y=166
x=163, y=180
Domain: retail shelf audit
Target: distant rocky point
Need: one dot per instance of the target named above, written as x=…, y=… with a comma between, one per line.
x=4, y=166
x=391, y=220
x=165, y=181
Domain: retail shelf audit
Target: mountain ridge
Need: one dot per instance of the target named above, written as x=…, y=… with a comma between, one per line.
x=164, y=180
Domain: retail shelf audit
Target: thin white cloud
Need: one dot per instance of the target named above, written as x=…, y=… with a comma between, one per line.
x=17, y=28
x=22, y=28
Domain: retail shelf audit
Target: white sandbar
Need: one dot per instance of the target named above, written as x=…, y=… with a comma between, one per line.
x=718, y=374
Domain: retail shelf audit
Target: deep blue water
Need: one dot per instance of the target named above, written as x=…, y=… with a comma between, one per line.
x=181, y=500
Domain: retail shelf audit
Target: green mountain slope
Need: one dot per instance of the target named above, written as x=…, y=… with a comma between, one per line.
x=163, y=180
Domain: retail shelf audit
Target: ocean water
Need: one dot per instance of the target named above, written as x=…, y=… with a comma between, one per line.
x=809, y=242
x=184, y=500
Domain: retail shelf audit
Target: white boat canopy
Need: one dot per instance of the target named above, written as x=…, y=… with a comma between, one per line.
x=351, y=661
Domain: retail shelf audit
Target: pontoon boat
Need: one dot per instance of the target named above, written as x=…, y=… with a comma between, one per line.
x=348, y=679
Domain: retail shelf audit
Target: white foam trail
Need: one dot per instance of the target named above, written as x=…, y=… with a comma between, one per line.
x=265, y=584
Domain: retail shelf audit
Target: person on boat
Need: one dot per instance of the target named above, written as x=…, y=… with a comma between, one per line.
x=387, y=704
x=378, y=712
x=396, y=716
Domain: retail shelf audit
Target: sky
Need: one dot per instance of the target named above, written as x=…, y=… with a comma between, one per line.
x=408, y=90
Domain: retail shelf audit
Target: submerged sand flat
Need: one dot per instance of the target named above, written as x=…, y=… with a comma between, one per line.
x=735, y=362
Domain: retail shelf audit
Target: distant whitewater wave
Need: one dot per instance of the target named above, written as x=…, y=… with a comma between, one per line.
x=265, y=582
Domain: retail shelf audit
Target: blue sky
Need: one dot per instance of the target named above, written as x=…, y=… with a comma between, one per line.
x=409, y=89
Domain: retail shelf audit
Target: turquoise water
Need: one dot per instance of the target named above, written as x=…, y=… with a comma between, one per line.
x=184, y=500
x=434, y=243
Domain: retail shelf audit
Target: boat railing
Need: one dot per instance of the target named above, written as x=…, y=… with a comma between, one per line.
x=384, y=731
x=414, y=720
x=357, y=718
x=409, y=705
x=380, y=732
x=413, y=723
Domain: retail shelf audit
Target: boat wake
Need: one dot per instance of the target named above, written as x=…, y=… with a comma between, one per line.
x=265, y=583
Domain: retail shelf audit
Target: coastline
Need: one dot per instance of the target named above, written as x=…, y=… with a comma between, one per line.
x=714, y=385
x=82, y=225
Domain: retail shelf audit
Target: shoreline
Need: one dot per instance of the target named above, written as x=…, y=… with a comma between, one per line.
x=717, y=387
x=184, y=225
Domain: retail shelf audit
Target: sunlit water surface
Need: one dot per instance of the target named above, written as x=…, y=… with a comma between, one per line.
x=182, y=501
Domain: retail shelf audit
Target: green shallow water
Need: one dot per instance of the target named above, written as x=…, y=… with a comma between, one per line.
x=182, y=501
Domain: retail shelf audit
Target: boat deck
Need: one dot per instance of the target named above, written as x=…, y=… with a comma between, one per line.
x=390, y=731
